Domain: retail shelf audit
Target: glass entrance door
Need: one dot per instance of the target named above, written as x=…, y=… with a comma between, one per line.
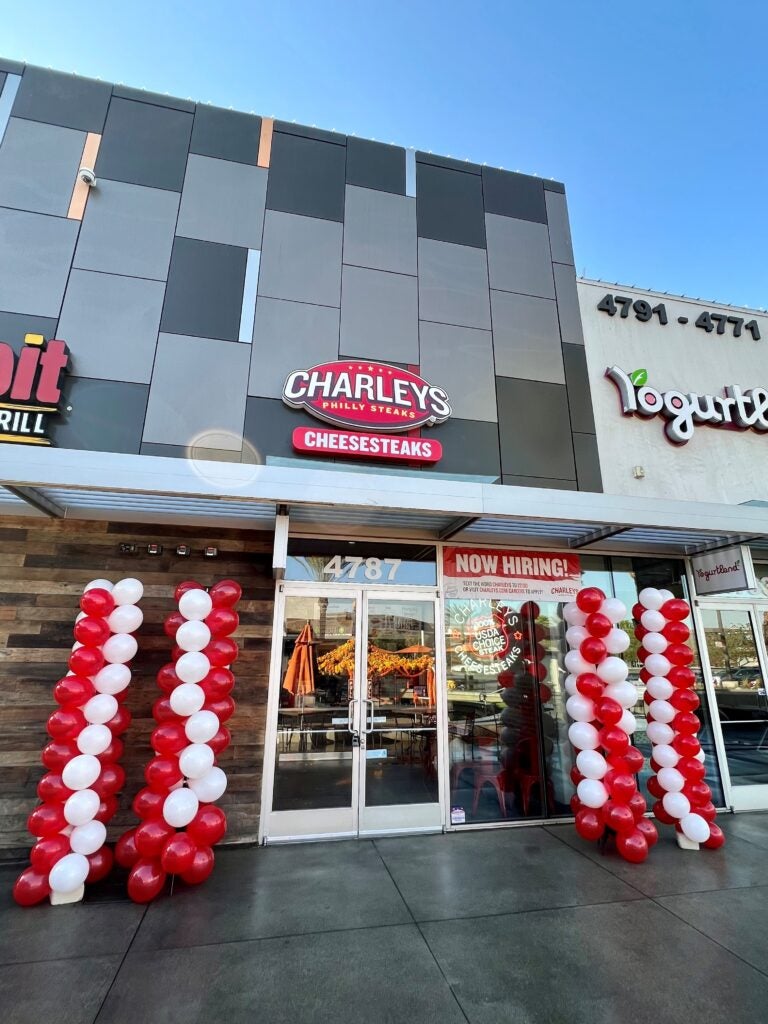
x=354, y=738
x=735, y=639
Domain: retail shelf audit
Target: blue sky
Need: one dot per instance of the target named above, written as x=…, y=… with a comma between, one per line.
x=652, y=113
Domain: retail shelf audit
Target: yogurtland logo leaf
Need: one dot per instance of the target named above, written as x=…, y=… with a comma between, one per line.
x=742, y=410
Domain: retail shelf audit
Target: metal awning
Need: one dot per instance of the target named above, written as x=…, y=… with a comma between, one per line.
x=131, y=488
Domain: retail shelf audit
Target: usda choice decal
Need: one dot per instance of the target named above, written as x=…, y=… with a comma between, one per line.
x=734, y=409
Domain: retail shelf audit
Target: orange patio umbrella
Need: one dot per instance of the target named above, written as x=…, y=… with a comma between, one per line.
x=300, y=673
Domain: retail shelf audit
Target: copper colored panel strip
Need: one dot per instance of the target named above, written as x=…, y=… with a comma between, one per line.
x=265, y=141
x=81, y=190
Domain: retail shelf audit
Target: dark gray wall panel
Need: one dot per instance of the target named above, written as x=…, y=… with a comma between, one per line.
x=587, y=462
x=12, y=67
x=157, y=99
x=145, y=145
x=106, y=416
x=514, y=195
x=62, y=99
x=534, y=481
x=535, y=429
x=205, y=290
x=470, y=447
x=269, y=425
x=13, y=327
x=306, y=177
x=553, y=186
x=579, y=394
x=226, y=134
x=3, y=77
x=376, y=165
x=449, y=205
x=448, y=161
x=305, y=132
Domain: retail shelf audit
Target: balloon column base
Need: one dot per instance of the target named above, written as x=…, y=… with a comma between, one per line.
x=685, y=843
x=58, y=899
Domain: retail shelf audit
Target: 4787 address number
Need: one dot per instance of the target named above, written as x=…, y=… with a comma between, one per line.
x=644, y=312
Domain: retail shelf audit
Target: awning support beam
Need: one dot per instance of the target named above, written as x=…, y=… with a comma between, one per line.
x=456, y=527
x=720, y=544
x=37, y=500
x=596, y=535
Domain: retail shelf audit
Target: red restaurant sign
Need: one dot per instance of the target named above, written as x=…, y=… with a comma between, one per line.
x=524, y=575
x=321, y=441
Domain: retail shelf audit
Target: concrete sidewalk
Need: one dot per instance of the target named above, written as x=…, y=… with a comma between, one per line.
x=525, y=925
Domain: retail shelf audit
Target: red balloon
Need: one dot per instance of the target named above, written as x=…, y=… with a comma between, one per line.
x=686, y=722
x=590, y=685
x=31, y=887
x=208, y=826
x=126, y=853
x=146, y=880
x=681, y=677
x=686, y=745
x=676, y=632
x=618, y=816
x=716, y=837
x=707, y=811
x=636, y=804
x=51, y=787
x=47, y=851
x=545, y=693
x=642, y=654
x=161, y=773
x=92, y=632
x=598, y=624
x=221, y=652
x=614, y=739
x=609, y=711
x=148, y=804
x=576, y=775
x=618, y=765
x=218, y=683
x=47, y=820
x=56, y=754
x=589, y=824
x=593, y=650
x=98, y=602
x=65, y=723
x=655, y=788
x=655, y=768
x=110, y=781
x=163, y=712
x=167, y=679
x=201, y=867
x=647, y=698
x=531, y=610
x=86, y=661
x=623, y=787
x=575, y=804
x=222, y=622
x=176, y=653
x=184, y=587
x=679, y=654
x=649, y=830
x=675, y=609
x=225, y=593
x=178, y=854
x=172, y=623
x=221, y=740
x=640, y=631
x=101, y=864
x=169, y=738
x=223, y=709
x=120, y=721
x=589, y=599
x=151, y=836
x=684, y=700
x=632, y=846
x=692, y=768
x=697, y=792
x=635, y=759
x=644, y=675
x=661, y=815
x=108, y=808
x=113, y=752
x=73, y=690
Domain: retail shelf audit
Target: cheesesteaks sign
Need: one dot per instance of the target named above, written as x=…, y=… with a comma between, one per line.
x=30, y=389
x=524, y=575
x=374, y=397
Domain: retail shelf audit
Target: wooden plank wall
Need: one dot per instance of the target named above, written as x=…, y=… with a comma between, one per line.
x=44, y=564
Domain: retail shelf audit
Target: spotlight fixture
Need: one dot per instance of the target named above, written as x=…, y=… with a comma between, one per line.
x=211, y=552
x=183, y=550
x=154, y=549
x=128, y=549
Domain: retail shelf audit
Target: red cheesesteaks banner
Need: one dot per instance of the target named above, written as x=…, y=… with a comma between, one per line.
x=497, y=572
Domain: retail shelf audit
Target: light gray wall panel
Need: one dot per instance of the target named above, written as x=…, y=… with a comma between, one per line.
x=379, y=315
x=380, y=230
x=289, y=336
x=301, y=259
x=35, y=256
x=223, y=201
x=38, y=166
x=519, y=258
x=460, y=360
x=526, y=337
x=453, y=284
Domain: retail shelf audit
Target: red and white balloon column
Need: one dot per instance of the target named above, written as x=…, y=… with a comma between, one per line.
x=683, y=798
x=180, y=822
x=599, y=702
x=79, y=792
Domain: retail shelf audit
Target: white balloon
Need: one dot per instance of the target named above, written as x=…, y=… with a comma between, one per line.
x=202, y=726
x=666, y=595
x=128, y=591
x=655, y=643
x=576, y=664
x=94, y=739
x=126, y=618
x=652, y=620
x=574, y=636
x=82, y=806
x=580, y=708
x=196, y=760
x=195, y=604
x=666, y=756
x=695, y=828
x=659, y=733
x=100, y=584
x=617, y=641
x=612, y=670
x=81, y=771
x=624, y=693
x=69, y=873
x=211, y=786
x=119, y=648
x=192, y=667
x=592, y=792
x=573, y=615
x=657, y=665
x=76, y=645
x=80, y=615
x=671, y=779
x=187, y=698
x=583, y=735
x=677, y=805
x=662, y=711
x=701, y=756
x=591, y=764
x=650, y=598
x=100, y=709
x=570, y=684
x=614, y=609
x=112, y=679
x=88, y=838
x=193, y=635
x=180, y=807
x=659, y=688
x=628, y=722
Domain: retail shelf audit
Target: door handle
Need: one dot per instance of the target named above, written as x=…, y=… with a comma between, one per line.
x=371, y=712
x=351, y=717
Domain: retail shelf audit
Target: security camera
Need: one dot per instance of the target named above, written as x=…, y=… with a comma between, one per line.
x=87, y=175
